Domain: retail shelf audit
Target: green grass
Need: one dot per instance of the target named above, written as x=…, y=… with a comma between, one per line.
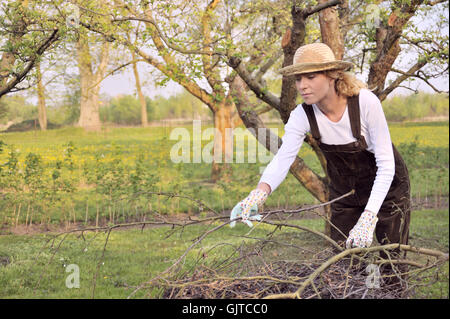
x=430, y=228
x=37, y=267
x=132, y=257
x=100, y=181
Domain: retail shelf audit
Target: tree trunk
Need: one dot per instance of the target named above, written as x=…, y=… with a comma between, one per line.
x=292, y=40
x=330, y=32
x=6, y=63
x=90, y=84
x=89, y=108
x=223, y=143
x=42, y=112
x=144, y=119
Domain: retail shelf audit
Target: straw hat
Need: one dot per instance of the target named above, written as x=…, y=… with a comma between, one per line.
x=313, y=58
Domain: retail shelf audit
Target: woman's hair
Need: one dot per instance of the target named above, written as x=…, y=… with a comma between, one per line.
x=346, y=83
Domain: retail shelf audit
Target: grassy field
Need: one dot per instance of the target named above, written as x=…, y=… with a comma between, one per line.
x=70, y=177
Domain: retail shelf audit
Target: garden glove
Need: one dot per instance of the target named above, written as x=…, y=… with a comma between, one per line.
x=248, y=207
x=362, y=233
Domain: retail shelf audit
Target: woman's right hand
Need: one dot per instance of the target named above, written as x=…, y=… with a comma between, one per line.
x=249, y=205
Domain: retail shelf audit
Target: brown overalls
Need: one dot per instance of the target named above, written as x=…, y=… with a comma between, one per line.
x=351, y=166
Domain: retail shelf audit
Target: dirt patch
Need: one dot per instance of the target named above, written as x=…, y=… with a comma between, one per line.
x=66, y=227
x=4, y=261
x=430, y=202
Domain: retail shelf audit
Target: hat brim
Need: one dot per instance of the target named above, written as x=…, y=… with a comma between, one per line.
x=315, y=67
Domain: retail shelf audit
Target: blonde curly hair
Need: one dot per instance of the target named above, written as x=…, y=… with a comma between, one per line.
x=346, y=83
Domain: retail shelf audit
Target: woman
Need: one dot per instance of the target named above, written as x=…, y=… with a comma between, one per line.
x=348, y=122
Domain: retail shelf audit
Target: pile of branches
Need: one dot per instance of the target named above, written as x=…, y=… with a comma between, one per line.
x=327, y=276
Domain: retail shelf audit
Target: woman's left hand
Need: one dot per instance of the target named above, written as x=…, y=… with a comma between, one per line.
x=362, y=233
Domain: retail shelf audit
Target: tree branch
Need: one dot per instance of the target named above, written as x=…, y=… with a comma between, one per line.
x=401, y=78
x=19, y=77
x=261, y=92
x=412, y=73
x=321, y=6
x=260, y=73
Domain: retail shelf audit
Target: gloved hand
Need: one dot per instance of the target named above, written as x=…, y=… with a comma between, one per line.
x=361, y=234
x=249, y=206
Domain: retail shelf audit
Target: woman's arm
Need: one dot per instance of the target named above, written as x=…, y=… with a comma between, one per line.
x=382, y=148
x=295, y=131
x=276, y=171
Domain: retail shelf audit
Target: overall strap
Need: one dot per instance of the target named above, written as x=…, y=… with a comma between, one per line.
x=355, y=119
x=312, y=121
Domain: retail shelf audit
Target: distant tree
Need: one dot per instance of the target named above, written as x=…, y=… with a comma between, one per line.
x=416, y=106
x=124, y=110
x=91, y=75
x=42, y=112
x=71, y=107
x=17, y=109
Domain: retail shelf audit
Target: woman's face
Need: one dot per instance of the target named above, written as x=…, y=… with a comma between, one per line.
x=313, y=87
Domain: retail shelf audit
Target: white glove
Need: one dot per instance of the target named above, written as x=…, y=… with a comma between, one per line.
x=249, y=205
x=361, y=234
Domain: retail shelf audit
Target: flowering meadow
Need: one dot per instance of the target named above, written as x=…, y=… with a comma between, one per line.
x=70, y=176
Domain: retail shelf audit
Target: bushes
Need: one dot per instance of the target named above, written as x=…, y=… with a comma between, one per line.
x=126, y=109
x=16, y=108
x=415, y=106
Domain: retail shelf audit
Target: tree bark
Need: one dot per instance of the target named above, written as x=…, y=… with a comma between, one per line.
x=5, y=64
x=42, y=112
x=330, y=31
x=388, y=44
x=292, y=40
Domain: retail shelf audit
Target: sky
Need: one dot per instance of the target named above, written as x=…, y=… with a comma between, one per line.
x=124, y=83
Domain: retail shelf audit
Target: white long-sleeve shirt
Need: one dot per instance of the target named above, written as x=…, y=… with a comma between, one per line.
x=374, y=128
